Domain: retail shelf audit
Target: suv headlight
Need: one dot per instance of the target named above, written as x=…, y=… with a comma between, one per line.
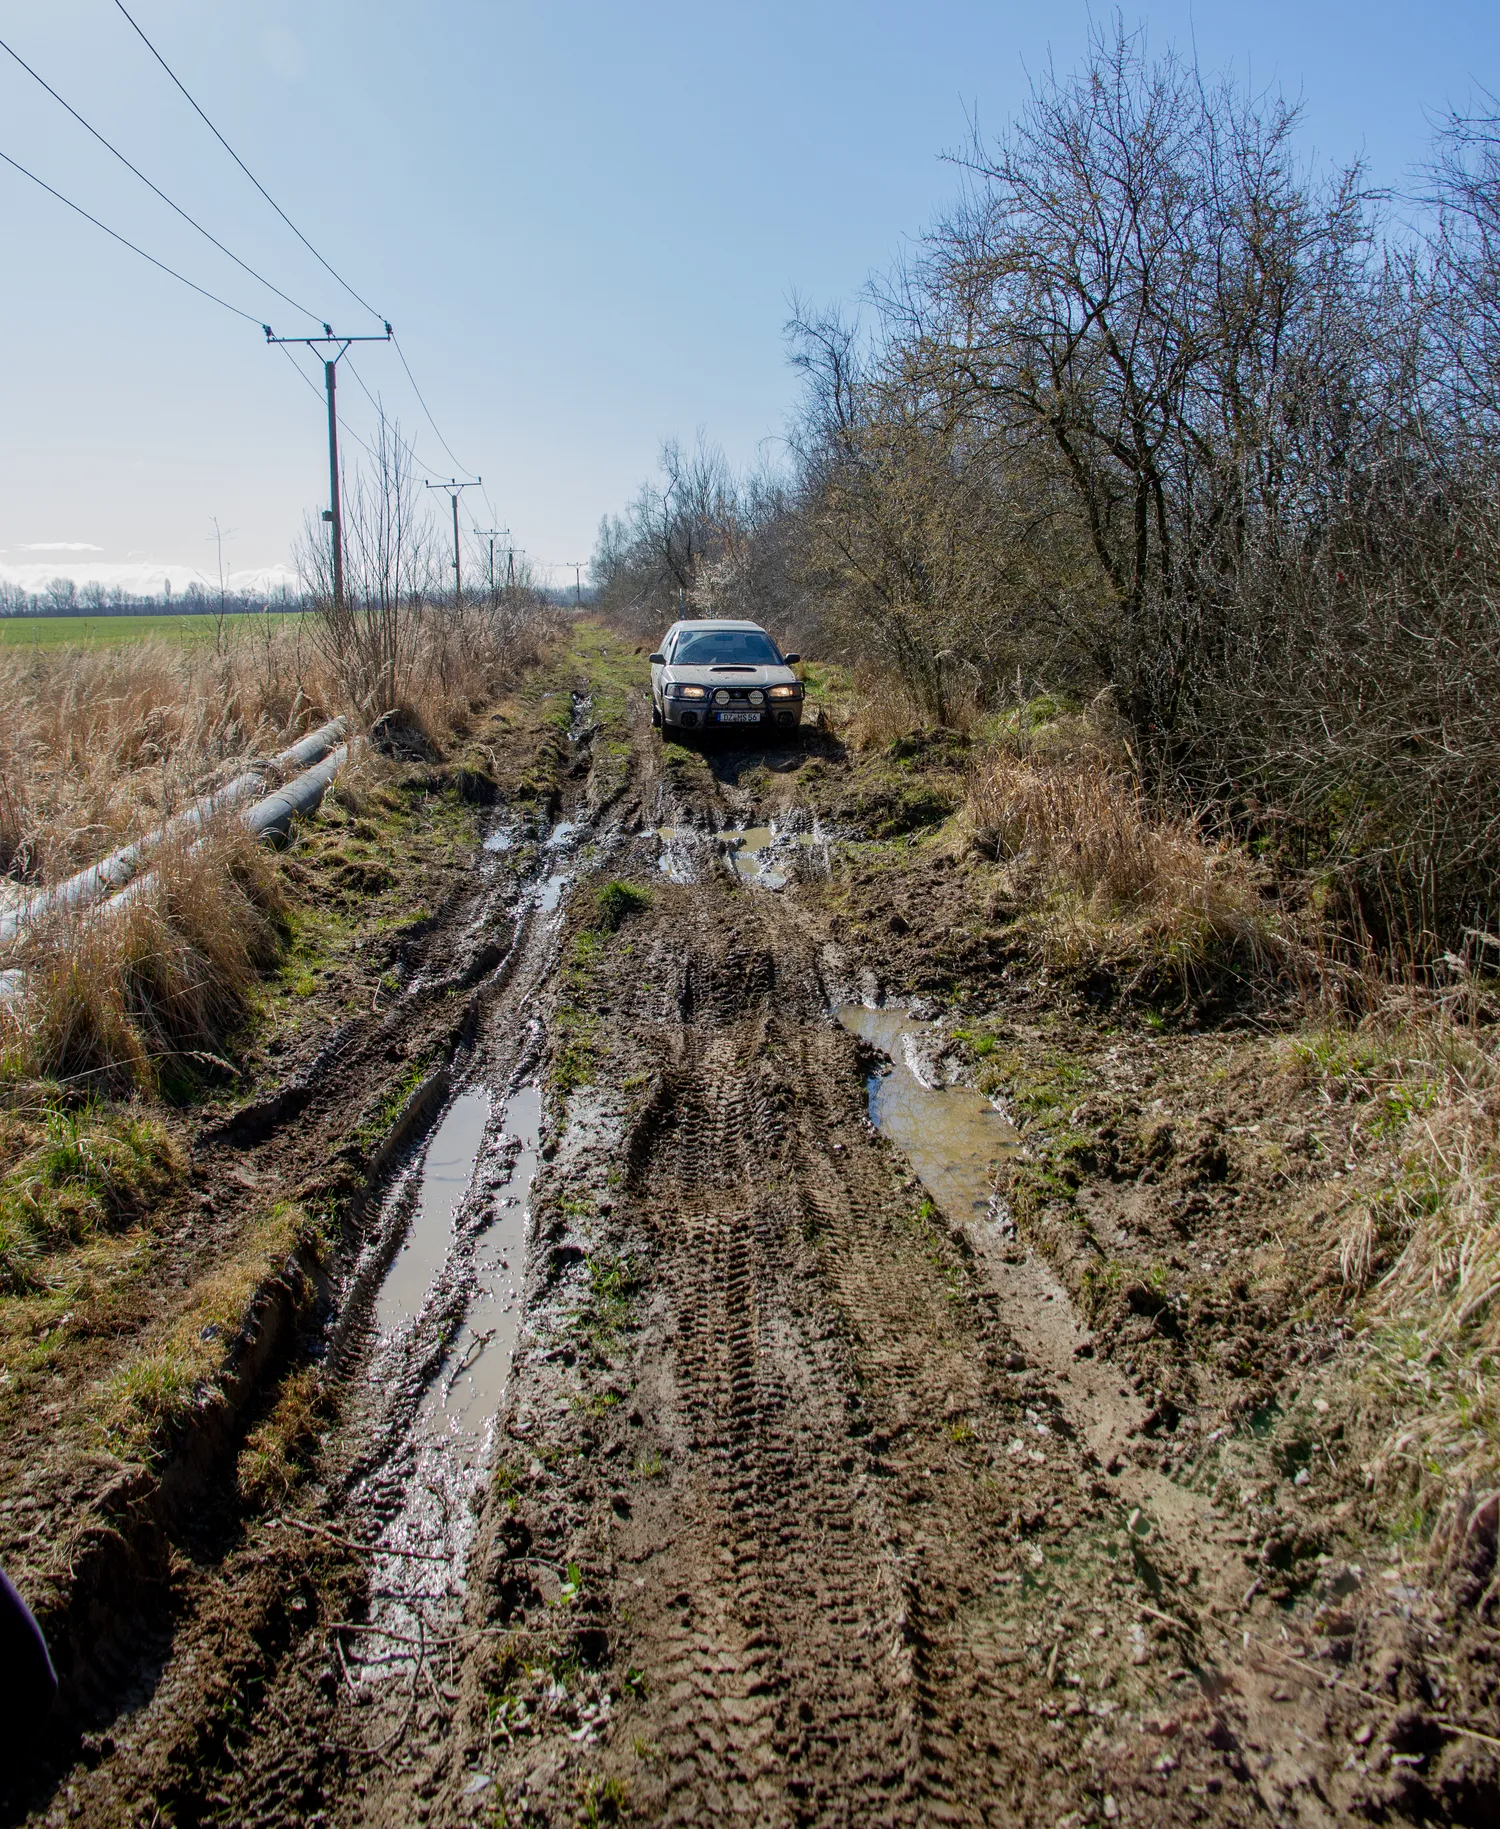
x=676, y=690
x=786, y=692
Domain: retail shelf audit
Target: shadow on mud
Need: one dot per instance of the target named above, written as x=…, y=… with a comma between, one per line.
x=731, y=756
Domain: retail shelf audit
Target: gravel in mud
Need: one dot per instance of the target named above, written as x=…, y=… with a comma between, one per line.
x=811, y=1492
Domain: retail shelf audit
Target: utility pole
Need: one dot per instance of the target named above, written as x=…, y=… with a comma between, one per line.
x=492, y=534
x=456, y=489
x=577, y=565
x=333, y=514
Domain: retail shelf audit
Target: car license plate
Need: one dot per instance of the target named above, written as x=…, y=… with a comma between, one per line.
x=738, y=717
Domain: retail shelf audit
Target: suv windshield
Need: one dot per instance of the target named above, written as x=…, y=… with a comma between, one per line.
x=725, y=648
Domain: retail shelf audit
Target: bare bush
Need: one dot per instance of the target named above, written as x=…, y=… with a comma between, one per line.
x=392, y=640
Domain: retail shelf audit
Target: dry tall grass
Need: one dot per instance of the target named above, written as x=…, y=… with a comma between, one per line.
x=882, y=708
x=122, y=998
x=98, y=746
x=1419, y=1244
x=1105, y=881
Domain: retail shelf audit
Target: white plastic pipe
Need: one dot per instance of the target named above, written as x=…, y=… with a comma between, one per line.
x=114, y=871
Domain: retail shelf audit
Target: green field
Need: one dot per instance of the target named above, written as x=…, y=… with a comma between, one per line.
x=114, y=631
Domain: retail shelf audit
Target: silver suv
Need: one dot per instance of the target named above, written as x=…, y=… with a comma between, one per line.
x=724, y=676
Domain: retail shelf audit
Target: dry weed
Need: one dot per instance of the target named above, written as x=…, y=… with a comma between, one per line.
x=1104, y=881
x=1417, y=1241
x=130, y=995
x=881, y=709
x=100, y=745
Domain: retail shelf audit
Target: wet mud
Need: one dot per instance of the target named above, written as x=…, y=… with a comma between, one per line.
x=710, y=1429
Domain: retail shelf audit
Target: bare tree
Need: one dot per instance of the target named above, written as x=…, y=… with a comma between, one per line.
x=391, y=570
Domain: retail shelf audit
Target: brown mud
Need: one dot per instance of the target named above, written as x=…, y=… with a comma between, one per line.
x=671, y=1449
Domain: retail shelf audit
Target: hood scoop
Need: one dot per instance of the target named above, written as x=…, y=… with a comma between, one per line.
x=727, y=668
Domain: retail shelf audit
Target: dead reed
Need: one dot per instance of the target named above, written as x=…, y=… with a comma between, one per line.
x=1102, y=880
x=127, y=996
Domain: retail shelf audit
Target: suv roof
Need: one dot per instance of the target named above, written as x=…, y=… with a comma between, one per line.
x=713, y=622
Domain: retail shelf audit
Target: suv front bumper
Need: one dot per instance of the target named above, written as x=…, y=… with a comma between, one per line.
x=700, y=714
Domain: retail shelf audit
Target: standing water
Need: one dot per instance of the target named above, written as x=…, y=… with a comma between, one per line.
x=454, y=1290
x=952, y=1136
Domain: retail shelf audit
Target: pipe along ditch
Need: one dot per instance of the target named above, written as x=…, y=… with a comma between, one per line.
x=117, y=880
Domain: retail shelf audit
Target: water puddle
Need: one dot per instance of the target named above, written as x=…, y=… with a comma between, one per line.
x=462, y=1401
x=761, y=855
x=499, y=840
x=953, y=1137
x=457, y=1284
x=446, y=1174
x=551, y=892
x=682, y=849
x=563, y=834
x=955, y=1141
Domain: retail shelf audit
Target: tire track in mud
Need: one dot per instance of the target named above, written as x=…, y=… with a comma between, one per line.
x=788, y=1688
x=820, y=1626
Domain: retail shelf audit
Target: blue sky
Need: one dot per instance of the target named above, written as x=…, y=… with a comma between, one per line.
x=585, y=221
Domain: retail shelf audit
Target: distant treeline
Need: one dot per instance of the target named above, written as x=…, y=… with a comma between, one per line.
x=62, y=597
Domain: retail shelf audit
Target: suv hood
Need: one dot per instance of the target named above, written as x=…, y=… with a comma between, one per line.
x=733, y=677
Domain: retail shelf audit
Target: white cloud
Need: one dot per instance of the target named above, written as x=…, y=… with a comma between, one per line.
x=60, y=546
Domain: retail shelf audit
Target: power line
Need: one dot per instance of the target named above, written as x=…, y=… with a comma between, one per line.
x=312, y=386
x=425, y=408
x=245, y=168
x=334, y=513
x=114, y=235
x=406, y=444
x=192, y=222
x=300, y=236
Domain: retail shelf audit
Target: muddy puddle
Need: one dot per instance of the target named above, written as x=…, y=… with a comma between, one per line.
x=956, y=1141
x=764, y=856
x=767, y=857
x=953, y=1137
x=446, y=1173
x=449, y=1313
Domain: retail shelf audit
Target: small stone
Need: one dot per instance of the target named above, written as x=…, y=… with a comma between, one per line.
x=1111, y=1808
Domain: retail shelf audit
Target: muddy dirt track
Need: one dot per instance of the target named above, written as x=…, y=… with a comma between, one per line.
x=680, y=1457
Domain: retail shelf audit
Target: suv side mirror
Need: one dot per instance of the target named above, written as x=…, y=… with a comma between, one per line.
x=791, y=659
x=657, y=660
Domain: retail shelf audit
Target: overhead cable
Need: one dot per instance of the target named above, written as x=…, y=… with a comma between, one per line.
x=114, y=235
x=192, y=222
x=312, y=385
x=425, y=408
x=245, y=168
x=411, y=450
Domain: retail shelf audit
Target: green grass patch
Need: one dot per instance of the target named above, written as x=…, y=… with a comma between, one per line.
x=86, y=1171
x=117, y=631
x=148, y=1399
x=614, y=902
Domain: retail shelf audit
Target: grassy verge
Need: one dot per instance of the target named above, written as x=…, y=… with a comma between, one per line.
x=146, y=1401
